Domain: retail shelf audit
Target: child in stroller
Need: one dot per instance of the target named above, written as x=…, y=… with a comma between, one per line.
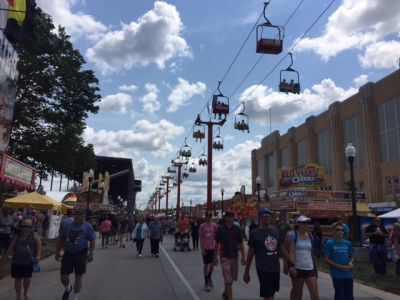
x=182, y=241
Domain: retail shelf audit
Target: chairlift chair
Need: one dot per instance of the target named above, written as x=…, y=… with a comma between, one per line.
x=220, y=104
x=269, y=45
x=199, y=132
x=186, y=151
x=242, y=121
x=293, y=86
x=192, y=168
x=171, y=170
x=203, y=159
x=218, y=143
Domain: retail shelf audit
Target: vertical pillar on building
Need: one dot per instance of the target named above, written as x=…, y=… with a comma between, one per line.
x=371, y=144
x=338, y=159
x=311, y=140
x=292, y=147
x=254, y=170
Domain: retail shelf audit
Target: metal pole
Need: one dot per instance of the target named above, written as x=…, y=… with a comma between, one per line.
x=356, y=236
x=88, y=199
x=166, y=199
x=259, y=200
x=209, y=166
x=222, y=204
x=178, y=194
x=190, y=202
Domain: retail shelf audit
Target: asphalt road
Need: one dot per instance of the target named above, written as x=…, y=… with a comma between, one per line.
x=118, y=274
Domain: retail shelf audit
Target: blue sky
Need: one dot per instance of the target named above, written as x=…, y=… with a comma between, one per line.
x=159, y=63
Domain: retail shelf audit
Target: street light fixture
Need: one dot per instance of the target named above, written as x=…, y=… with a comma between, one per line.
x=350, y=152
x=90, y=179
x=222, y=201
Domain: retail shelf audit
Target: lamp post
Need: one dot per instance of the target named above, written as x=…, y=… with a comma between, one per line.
x=350, y=152
x=90, y=179
x=190, y=211
x=222, y=201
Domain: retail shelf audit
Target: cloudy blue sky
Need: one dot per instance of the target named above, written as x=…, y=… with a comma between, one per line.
x=159, y=62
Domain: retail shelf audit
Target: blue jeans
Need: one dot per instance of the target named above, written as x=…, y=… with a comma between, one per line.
x=377, y=255
x=343, y=288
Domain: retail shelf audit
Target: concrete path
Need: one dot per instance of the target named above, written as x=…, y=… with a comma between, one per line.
x=118, y=274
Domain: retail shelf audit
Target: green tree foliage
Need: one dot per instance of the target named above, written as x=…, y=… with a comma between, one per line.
x=55, y=94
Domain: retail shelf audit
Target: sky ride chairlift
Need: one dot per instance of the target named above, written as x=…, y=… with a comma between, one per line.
x=218, y=143
x=242, y=120
x=294, y=85
x=199, y=132
x=185, y=173
x=203, y=159
x=192, y=168
x=220, y=104
x=269, y=45
x=171, y=170
x=186, y=151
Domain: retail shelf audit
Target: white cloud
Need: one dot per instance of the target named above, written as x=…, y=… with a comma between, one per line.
x=381, y=55
x=148, y=137
x=183, y=92
x=361, y=80
x=117, y=102
x=153, y=38
x=77, y=24
x=290, y=107
x=150, y=100
x=128, y=88
x=355, y=24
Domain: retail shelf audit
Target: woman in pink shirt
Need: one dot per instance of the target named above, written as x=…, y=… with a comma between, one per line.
x=207, y=244
x=105, y=232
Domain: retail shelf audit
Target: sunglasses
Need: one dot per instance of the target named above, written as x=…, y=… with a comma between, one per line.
x=25, y=226
x=339, y=229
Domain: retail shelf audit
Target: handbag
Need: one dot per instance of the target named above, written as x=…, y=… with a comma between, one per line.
x=35, y=264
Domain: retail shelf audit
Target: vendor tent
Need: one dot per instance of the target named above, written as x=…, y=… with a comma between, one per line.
x=392, y=214
x=32, y=201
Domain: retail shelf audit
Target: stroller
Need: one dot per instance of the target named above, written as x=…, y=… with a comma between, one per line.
x=181, y=241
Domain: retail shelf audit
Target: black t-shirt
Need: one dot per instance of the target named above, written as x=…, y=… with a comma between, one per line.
x=266, y=244
x=229, y=240
x=376, y=239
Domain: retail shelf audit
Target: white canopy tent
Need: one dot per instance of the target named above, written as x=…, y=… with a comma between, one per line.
x=392, y=214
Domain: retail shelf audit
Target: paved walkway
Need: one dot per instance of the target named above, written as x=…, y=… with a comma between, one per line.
x=118, y=274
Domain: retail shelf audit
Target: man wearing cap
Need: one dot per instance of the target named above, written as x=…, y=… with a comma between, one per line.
x=229, y=240
x=207, y=245
x=266, y=242
x=74, y=238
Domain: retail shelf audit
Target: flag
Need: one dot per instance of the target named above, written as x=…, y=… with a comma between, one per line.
x=20, y=20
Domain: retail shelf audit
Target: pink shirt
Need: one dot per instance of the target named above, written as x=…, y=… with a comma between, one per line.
x=207, y=236
x=106, y=226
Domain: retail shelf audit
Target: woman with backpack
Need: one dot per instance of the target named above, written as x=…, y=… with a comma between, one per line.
x=303, y=270
x=26, y=249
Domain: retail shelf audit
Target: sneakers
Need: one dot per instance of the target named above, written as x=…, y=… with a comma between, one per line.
x=140, y=255
x=210, y=283
x=157, y=255
x=224, y=296
x=65, y=296
x=207, y=287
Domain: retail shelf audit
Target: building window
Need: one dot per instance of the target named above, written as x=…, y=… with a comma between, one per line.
x=353, y=132
x=389, y=129
x=392, y=185
x=324, y=150
x=361, y=188
x=301, y=153
x=271, y=167
x=285, y=158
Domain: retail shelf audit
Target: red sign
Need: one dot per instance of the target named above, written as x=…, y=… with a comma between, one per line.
x=14, y=172
x=310, y=175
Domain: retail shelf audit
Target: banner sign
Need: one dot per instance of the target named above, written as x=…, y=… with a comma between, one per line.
x=320, y=195
x=17, y=173
x=245, y=207
x=8, y=78
x=310, y=176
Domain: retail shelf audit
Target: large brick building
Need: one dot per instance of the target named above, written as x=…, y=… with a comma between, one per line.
x=369, y=119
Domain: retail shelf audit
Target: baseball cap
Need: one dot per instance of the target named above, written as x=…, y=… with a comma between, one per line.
x=265, y=211
x=302, y=219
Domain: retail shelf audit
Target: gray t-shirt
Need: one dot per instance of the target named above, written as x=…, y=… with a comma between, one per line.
x=155, y=230
x=266, y=244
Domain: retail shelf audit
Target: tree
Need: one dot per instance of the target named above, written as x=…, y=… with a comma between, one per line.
x=54, y=96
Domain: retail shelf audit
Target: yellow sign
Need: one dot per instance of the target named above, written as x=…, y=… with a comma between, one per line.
x=309, y=176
